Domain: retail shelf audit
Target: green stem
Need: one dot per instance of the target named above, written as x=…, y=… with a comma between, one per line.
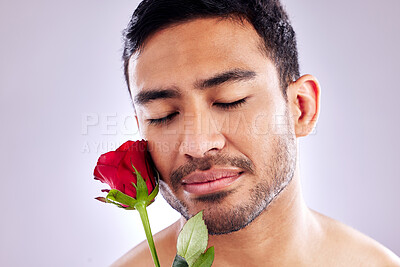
x=141, y=207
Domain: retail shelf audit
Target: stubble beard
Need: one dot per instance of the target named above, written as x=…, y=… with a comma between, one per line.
x=220, y=219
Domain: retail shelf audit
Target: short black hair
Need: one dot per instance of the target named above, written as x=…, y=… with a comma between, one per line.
x=268, y=18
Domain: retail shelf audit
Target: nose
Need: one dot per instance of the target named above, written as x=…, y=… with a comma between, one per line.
x=200, y=136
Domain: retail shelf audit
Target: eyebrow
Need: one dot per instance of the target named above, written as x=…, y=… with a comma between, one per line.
x=149, y=95
x=234, y=75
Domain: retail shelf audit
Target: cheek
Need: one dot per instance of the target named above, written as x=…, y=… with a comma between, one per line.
x=163, y=149
x=266, y=119
x=160, y=143
x=252, y=132
x=247, y=126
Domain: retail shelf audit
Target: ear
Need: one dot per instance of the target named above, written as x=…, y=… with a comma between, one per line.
x=303, y=100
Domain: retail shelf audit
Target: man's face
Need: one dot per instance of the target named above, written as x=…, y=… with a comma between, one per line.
x=210, y=105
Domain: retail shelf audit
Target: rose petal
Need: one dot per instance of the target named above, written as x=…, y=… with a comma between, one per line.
x=125, y=146
x=112, y=158
x=151, y=170
x=139, y=157
x=130, y=191
x=106, y=174
x=126, y=177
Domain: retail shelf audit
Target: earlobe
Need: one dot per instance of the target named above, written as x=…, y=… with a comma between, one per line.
x=306, y=93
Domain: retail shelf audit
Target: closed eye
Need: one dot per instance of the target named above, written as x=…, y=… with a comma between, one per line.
x=163, y=120
x=226, y=106
x=231, y=105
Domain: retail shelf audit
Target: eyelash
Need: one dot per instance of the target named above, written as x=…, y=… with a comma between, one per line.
x=224, y=106
x=231, y=105
x=163, y=120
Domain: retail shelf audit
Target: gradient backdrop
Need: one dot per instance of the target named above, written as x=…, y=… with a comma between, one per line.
x=63, y=102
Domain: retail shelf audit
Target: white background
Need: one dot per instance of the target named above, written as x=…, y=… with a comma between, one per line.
x=60, y=67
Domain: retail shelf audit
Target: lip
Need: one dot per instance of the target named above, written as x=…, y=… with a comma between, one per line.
x=207, y=182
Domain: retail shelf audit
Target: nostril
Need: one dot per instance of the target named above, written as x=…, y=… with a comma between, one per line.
x=199, y=146
x=188, y=156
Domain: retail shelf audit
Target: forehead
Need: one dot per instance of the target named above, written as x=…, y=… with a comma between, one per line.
x=186, y=52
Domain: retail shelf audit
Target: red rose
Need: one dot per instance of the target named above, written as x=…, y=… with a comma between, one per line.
x=130, y=174
x=115, y=168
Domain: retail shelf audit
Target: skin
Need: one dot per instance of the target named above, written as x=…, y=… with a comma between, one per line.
x=287, y=232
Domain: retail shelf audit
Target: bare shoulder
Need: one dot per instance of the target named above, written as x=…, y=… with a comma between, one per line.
x=349, y=247
x=137, y=256
x=165, y=242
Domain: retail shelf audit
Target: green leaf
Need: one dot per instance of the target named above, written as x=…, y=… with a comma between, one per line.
x=102, y=199
x=206, y=259
x=152, y=195
x=142, y=191
x=179, y=261
x=117, y=196
x=192, y=240
x=115, y=203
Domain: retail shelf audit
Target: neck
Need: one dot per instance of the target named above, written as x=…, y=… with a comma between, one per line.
x=281, y=233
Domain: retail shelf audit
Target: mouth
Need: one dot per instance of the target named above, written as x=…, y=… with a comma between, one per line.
x=211, y=181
